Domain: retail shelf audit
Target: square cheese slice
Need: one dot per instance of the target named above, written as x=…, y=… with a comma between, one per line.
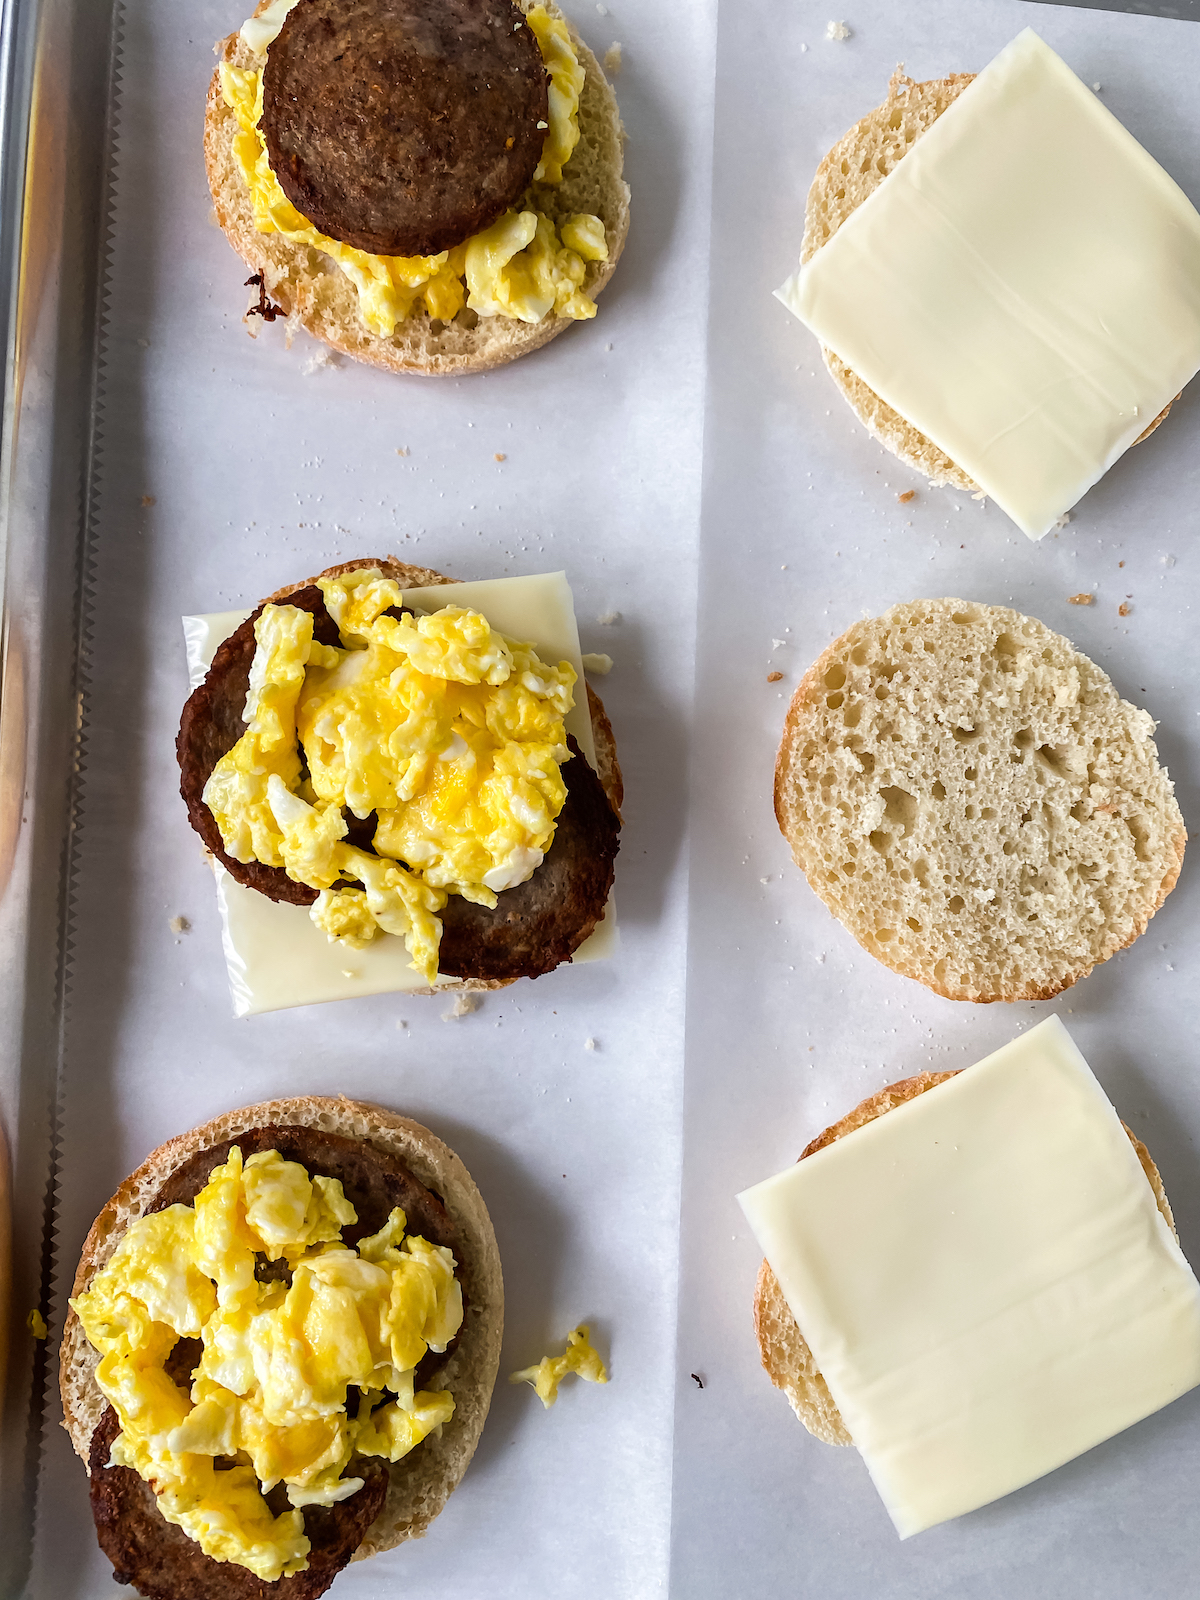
x=276, y=956
x=1023, y=287
x=984, y=1279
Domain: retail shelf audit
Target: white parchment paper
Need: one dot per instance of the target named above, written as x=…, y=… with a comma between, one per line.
x=789, y=1022
x=230, y=467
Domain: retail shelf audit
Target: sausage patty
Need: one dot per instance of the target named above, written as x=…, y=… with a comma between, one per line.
x=402, y=127
x=535, y=926
x=152, y=1554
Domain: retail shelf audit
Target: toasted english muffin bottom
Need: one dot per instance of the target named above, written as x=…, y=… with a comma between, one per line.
x=785, y=1355
x=313, y=293
x=849, y=173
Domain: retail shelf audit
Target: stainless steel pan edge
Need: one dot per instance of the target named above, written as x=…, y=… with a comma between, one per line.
x=56, y=81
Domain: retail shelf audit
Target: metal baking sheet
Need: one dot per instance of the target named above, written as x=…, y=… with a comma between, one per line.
x=790, y=1023
x=156, y=460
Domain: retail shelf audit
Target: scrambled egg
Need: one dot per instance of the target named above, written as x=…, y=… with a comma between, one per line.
x=551, y=1370
x=36, y=1323
x=449, y=734
x=270, y=1390
x=520, y=267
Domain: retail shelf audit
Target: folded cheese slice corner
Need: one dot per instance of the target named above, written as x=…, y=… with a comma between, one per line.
x=984, y=1279
x=275, y=954
x=1023, y=287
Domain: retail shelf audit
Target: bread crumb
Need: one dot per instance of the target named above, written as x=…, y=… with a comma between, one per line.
x=319, y=359
x=1167, y=561
x=590, y=1044
x=403, y=452
x=1124, y=610
x=214, y=220
x=909, y=494
x=464, y=1003
x=543, y=124
x=499, y=456
x=1062, y=521
x=774, y=677
x=1097, y=87
x=764, y=880
x=597, y=663
x=1083, y=599
x=179, y=925
x=1120, y=563
x=149, y=500
x=837, y=30
x=606, y=619
x=603, y=10
x=778, y=644
x=612, y=59
x=803, y=49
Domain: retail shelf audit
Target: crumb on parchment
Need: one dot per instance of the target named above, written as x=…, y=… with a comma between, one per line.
x=909, y=494
x=837, y=31
x=464, y=1003
x=612, y=59
x=774, y=677
x=1082, y=599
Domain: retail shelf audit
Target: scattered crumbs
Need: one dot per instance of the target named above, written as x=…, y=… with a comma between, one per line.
x=36, y=1323
x=180, y=925
x=597, y=663
x=1168, y=561
x=543, y=124
x=821, y=958
x=1062, y=521
x=1081, y=599
x=149, y=500
x=778, y=644
x=588, y=1044
x=836, y=31
x=403, y=451
x=608, y=346
x=318, y=361
x=464, y=1003
x=764, y=880
x=1096, y=88
x=803, y=52
x=909, y=494
x=145, y=343
x=603, y=10
x=499, y=456
x=401, y=1023
x=697, y=1380
x=1120, y=563
x=214, y=220
x=612, y=59
x=607, y=619
x=1124, y=610
x=774, y=677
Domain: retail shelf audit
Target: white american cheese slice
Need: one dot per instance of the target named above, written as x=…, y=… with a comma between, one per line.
x=1023, y=287
x=275, y=955
x=984, y=1279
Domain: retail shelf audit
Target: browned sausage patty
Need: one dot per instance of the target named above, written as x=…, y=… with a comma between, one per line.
x=402, y=127
x=535, y=926
x=154, y=1555
x=161, y=1562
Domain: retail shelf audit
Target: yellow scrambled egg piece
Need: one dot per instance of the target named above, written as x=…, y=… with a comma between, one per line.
x=270, y=1388
x=520, y=267
x=451, y=734
x=36, y=1323
x=551, y=1370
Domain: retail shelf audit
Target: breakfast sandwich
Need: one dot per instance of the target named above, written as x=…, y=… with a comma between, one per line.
x=972, y=798
x=284, y=1334
x=406, y=775
x=431, y=186
x=1004, y=283
x=974, y=1277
